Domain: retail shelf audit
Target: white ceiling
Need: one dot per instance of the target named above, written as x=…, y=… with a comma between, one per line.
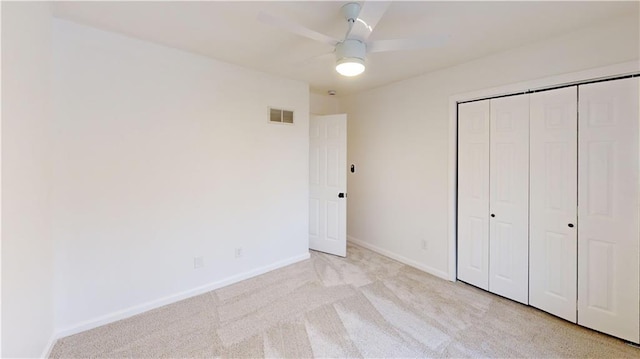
x=229, y=31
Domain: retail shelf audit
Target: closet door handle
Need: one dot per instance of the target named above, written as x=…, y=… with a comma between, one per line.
x=493, y=215
x=570, y=225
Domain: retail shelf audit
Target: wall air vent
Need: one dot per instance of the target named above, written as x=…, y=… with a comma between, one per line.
x=280, y=116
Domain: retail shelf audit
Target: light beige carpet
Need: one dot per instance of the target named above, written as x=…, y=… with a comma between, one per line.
x=365, y=305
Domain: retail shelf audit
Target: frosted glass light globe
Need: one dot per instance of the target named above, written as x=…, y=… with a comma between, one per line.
x=350, y=67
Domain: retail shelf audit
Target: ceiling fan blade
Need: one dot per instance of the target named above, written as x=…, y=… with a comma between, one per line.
x=295, y=28
x=307, y=60
x=369, y=16
x=407, y=44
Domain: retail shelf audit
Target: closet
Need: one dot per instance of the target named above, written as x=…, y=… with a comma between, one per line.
x=548, y=204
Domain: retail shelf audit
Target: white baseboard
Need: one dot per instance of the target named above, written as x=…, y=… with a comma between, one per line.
x=46, y=352
x=399, y=258
x=141, y=308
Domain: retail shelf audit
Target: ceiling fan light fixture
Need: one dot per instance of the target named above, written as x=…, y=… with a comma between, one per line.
x=350, y=55
x=350, y=66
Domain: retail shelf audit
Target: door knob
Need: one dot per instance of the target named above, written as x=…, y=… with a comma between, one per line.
x=340, y=195
x=570, y=225
x=493, y=215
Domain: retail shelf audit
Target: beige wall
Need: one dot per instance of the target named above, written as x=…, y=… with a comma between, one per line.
x=320, y=104
x=27, y=254
x=161, y=156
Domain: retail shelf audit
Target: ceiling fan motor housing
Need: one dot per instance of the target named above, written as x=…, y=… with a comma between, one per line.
x=351, y=49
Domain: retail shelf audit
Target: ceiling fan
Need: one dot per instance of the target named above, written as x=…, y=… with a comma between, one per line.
x=351, y=51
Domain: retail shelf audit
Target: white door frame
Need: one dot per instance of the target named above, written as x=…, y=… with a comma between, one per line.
x=626, y=68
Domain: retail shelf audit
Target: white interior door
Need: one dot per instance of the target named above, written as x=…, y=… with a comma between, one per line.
x=473, y=193
x=509, y=198
x=328, y=184
x=553, y=201
x=608, y=235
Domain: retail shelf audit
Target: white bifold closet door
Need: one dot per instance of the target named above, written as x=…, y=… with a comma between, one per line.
x=608, y=244
x=553, y=201
x=509, y=198
x=473, y=193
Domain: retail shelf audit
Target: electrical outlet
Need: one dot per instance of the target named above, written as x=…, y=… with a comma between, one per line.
x=198, y=262
x=238, y=252
x=424, y=245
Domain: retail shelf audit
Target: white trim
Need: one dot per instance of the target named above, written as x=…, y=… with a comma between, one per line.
x=399, y=258
x=625, y=68
x=453, y=174
x=131, y=311
x=46, y=353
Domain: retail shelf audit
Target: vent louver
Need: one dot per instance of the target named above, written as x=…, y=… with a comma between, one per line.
x=280, y=116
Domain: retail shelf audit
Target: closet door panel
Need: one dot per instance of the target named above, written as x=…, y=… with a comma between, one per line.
x=608, y=234
x=553, y=202
x=509, y=198
x=473, y=193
